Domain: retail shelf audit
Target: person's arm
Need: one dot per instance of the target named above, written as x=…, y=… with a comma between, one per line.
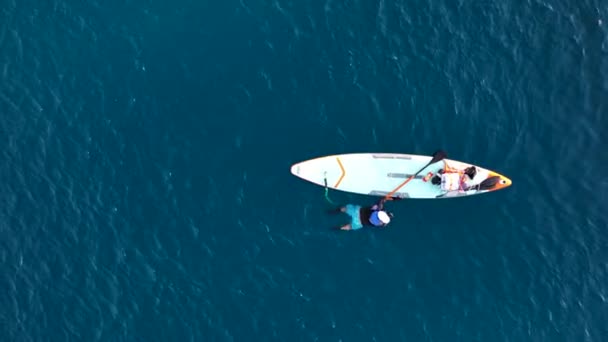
x=380, y=204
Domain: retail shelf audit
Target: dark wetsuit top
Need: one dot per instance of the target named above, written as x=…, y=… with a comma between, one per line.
x=366, y=212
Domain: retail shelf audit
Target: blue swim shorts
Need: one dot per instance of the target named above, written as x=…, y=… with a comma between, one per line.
x=355, y=217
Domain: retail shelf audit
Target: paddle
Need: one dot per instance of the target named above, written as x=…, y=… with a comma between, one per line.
x=437, y=156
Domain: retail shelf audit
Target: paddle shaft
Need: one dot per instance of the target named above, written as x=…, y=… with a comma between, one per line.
x=390, y=194
x=439, y=155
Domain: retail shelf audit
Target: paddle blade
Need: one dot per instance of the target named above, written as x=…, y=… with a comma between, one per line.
x=437, y=156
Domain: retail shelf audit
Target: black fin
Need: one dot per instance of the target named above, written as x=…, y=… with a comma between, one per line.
x=486, y=184
x=489, y=183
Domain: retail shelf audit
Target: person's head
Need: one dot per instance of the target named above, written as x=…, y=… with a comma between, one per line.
x=436, y=180
x=381, y=218
x=471, y=171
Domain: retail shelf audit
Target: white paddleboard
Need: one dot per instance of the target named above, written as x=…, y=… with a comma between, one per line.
x=380, y=174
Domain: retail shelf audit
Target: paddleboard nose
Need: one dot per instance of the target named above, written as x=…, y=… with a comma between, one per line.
x=502, y=183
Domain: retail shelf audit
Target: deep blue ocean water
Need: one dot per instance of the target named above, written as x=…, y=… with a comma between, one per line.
x=146, y=193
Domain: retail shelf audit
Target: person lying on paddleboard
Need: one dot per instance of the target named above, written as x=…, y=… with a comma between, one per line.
x=371, y=216
x=452, y=179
